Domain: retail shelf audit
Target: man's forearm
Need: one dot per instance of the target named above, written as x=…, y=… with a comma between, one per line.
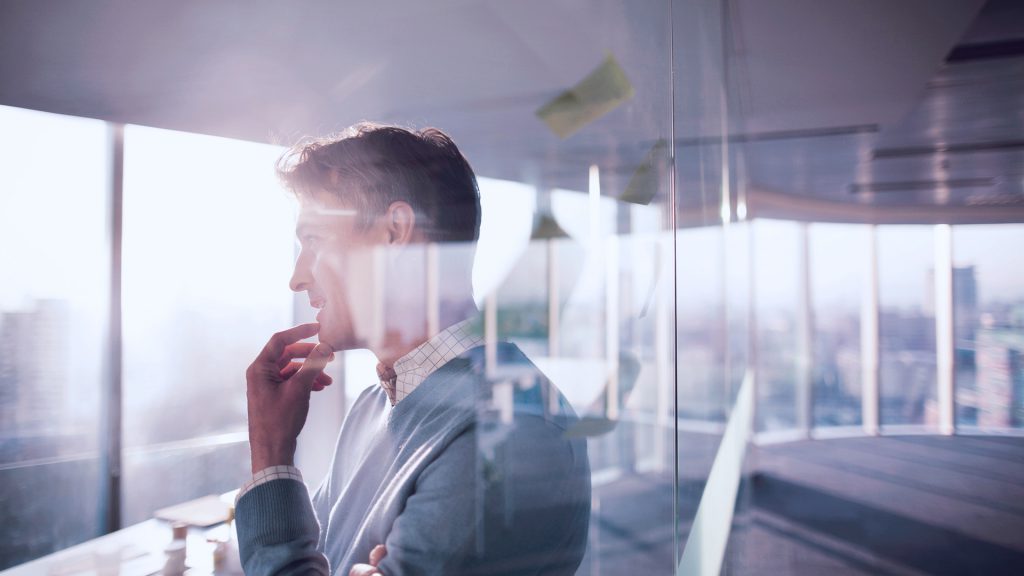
x=278, y=530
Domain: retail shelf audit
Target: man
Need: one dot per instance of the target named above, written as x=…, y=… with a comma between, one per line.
x=458, y=462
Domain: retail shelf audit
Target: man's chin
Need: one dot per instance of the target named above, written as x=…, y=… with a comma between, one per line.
x=339, y=342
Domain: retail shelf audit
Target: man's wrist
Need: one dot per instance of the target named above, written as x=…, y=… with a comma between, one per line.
x=265, y=458
x=268, y=474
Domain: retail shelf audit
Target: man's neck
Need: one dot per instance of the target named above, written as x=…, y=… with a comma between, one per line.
x=391, y=351
x=397, y=345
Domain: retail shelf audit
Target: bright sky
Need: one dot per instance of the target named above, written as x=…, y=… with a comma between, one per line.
x=53, y=208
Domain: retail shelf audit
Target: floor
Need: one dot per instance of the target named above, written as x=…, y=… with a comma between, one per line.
x=893, y=505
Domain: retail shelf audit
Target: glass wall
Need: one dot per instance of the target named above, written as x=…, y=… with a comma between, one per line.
x=616, y=261
x=54, y=227
x=988, y=323
x=613, y=255
x=577, y=265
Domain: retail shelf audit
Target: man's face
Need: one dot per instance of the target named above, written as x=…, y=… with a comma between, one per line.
x=335, y=268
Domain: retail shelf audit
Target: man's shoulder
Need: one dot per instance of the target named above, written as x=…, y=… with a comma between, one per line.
x=372, y=394
x=505, y=363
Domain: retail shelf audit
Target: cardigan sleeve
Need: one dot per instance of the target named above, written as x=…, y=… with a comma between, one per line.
x=278, y=531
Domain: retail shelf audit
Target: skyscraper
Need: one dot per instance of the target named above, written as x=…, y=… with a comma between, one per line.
x=33, y=369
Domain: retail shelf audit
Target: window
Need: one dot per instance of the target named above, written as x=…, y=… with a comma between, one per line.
x=208, y=252
x=906, y=290
x=988, y=320
x=701, y=345
x=777, y=249
x=737, y=296
x=838, y=261
x=53, y=329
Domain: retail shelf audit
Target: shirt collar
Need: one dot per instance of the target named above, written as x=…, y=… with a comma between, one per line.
x=413, y=368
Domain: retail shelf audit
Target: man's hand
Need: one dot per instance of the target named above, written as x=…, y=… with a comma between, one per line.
x=376, y=555
x=278, y=393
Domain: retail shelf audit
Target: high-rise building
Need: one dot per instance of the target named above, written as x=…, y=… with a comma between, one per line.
x=1000, y=381
x=33, y=369
x=965, y=304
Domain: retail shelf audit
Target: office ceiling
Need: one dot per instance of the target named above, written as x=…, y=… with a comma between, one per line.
x=954, y=153
x=855, y=103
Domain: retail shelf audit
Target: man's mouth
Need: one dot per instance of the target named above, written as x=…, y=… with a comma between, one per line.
x=319, y=305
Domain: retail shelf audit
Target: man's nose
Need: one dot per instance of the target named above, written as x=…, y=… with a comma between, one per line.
x=301, y=276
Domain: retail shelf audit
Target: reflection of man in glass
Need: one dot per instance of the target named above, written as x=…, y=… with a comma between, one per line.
x=458, y=463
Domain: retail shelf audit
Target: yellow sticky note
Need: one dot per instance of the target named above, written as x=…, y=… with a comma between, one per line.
x=643, y=185
x=594, y=96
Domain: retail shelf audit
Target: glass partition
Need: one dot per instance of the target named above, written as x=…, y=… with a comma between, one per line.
x=646, y=312
x=613, y=255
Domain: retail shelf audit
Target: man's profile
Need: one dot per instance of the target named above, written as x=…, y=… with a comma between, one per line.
x=457, y=462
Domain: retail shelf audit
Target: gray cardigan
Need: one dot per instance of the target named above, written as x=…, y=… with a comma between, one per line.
x=445, y=479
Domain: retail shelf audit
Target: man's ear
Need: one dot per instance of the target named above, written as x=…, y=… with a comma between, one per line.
x=400, y=223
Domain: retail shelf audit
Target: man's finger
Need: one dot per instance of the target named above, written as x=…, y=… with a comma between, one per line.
x=290, y=370
x=278, y=342
x=313, y=366
x=293, y=351
x=297, y=350
x=363, y=570
x=322, y=379
x=377, y=554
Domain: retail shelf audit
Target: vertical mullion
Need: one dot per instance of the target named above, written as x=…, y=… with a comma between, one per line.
x=111, y=418
x=869, y=338
x=944, y=326
x=754, y=360
x=805, y=338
